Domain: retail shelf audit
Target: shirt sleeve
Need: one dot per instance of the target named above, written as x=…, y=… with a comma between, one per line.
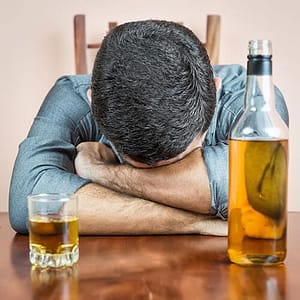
x=215, y=150
x=45, y=158
x=216, y=159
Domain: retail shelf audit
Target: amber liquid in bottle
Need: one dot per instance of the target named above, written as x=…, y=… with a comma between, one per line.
x=257, y=210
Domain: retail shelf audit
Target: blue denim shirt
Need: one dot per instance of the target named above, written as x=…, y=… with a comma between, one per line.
x=45, y=159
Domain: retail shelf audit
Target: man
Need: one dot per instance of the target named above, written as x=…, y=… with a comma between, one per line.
x=151, y=156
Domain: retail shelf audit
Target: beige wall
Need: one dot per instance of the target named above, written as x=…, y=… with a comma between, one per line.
x=37, y=47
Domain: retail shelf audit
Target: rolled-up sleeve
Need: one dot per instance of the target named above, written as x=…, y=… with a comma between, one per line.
x=216, y=160
x=45, y=158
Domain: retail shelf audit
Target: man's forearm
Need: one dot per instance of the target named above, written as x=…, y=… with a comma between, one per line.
x=183, y=184
x=102, y=211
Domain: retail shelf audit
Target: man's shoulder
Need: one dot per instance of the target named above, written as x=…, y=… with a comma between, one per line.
x=230, y=101
x=75, y=81
x=229, y=70
x=233, y=76
x=231, y=93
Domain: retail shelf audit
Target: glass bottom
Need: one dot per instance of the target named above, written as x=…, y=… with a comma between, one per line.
x=51, y=260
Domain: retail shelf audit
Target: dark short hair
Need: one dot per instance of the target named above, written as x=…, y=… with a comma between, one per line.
x=152, y=89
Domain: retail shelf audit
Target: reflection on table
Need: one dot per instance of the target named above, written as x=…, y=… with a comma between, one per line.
x=148, y=267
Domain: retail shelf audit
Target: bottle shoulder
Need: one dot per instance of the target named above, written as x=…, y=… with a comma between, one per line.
x=259, y=125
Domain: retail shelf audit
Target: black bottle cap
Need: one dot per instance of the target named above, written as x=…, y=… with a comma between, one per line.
x=259, y=65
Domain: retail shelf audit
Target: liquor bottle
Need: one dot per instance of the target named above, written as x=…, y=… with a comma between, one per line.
x=258, y=169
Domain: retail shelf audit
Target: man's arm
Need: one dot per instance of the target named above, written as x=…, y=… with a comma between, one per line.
x=45, y=158
x=183, y=184
x=103, y=211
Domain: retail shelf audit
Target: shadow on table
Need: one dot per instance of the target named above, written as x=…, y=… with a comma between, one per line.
x=19, y=255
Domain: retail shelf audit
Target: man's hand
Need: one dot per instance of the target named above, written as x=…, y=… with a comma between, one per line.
x=91, y=155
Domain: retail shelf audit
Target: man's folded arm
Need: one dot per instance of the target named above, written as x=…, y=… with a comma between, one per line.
x=47, y=168
x=196, y=183
x=103, y=211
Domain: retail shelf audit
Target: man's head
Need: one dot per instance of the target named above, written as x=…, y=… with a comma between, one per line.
x=153, y=90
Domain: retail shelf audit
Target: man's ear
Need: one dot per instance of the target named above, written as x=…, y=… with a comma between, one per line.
x=218, y=83
x=89, y=94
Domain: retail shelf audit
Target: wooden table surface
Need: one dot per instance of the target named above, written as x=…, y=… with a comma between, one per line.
x=148, y=267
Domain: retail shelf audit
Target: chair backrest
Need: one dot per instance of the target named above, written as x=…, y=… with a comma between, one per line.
x=212, y=43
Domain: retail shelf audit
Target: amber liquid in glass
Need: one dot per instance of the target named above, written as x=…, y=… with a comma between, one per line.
x=53, y=241
x=257, y=202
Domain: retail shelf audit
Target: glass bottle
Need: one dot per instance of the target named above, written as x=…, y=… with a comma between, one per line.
x=258, y=169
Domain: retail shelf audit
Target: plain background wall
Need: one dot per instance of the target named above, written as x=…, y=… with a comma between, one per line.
x=37, y=48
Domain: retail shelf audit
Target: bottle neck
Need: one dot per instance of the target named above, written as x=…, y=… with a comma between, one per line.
x=260, y=89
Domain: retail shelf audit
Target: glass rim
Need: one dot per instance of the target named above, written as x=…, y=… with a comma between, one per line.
x=46, y=197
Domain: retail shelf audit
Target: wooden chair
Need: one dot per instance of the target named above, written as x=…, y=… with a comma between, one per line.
x=212, y=43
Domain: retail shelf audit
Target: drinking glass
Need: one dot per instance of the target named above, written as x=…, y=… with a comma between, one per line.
x=53, y=230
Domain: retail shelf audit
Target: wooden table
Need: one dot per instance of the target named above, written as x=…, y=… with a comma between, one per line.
x=148, y=267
